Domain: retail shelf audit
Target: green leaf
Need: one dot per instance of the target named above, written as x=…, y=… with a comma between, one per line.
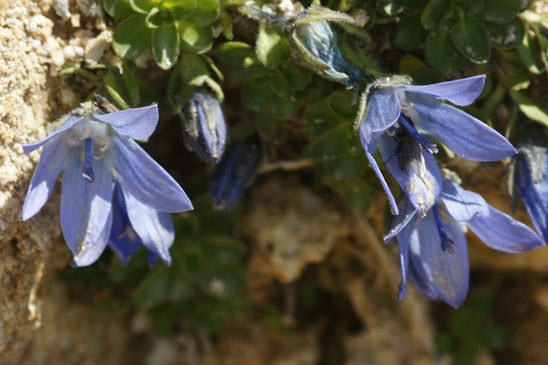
x=226, y=21
x=472, y=40
x=155, y=288
x=529, y=108
x=207, y=11
x=158, y=17
x=299, y=78
x=180, y=9
x=410, y=33
x=270, y=46
x=359, y=195
x=501, y=11
x=117, y=8
x=433, y=12
x=441, y=53
x=471, y=7
x=391, y=7
x=513, y=77
x=409, y=64
x=143, y=6
x=506, y=36
x=236, y=54
x=529, y=54
x=194, y=38
x=341, y=102
x=165, y=45
x=131, y=37
x=122, y=87
x=331, y=144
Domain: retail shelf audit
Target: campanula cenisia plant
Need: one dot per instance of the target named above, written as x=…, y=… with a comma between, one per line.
x=234, y=172
x=530, y=179
x=93, y=148
x=393, y=116
x=205, y=127
x=433, y=249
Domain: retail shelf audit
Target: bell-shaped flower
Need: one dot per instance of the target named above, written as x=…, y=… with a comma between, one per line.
x=314, y=44
x=92, y=148
x=234, y=172
x=433, y=250
x=531, y=181
x=205, y=126
x=135, y=224
x=393, y=116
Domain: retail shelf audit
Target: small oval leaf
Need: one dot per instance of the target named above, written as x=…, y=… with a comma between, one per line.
x=472, y=40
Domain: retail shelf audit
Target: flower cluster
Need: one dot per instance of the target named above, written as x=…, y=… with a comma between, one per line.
x=113, y=192
x=430, y=226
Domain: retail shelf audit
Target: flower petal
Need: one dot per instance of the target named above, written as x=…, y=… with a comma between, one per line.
x=534, y=190
x=420, y=178
x=138, y=123
x=383, y=110
x=461, y=92
x=72, y=121
x=502, y=232
x=153, y=227
x=369, y=152
x=465, y=135
x=407, y=213
x=462, y=204
x=437, y=274
x=51, y=163
x=147, y=181
x=86, y=214
x=123, y=239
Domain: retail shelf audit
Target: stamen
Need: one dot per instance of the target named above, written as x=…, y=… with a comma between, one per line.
x=427, y=144
x=447, y=243
x=87, y=169
x=102, y=148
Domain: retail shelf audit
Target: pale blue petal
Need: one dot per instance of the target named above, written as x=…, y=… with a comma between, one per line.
x=123, y=239
x=462, y=204
x=138, y=123
x=147, y=181
x=407, y=213
x=369, y=152
x=502, y=232
x=420, y=179
x=153, y=227
x=461, y=92
x=72, y=121
x=465, y=135
x=534, y=194
x=51, y=163
x=383, y=110
x=403, y=244
x=438, y=274
x=86, y=214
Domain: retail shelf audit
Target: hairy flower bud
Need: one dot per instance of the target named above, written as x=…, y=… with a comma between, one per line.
x=205, y=126
x=236, y=169
x=314, y=45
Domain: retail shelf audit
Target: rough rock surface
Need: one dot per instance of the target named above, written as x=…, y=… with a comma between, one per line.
x=32, y=49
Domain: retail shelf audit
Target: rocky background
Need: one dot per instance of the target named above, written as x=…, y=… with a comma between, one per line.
x=306, y=235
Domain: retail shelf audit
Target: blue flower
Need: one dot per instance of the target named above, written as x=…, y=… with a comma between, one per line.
x=433, y=250
x=234, y=172
x=135, y=224
x=395, y=114
x=205, y=126
x=531, y=181
x=92, y=148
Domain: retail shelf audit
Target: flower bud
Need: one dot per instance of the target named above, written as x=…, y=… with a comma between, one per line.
x=314, y=45
x=205, y=126
x=234, y=172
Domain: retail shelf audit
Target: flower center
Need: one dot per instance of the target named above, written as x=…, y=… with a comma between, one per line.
x=447, y=243
x=95, y=138
x=427, y=144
